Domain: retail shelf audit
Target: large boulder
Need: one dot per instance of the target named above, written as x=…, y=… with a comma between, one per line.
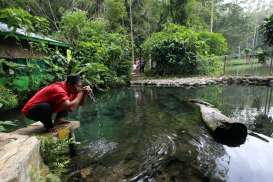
x=19, y=158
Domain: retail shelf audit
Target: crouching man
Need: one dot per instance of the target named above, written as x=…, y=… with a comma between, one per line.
x=60, y=98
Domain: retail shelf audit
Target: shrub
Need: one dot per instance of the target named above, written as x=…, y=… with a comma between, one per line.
x=178, y=50
x=8, y=99
x=6, y=125
x=97, y=48
x=55, y=154
x=211, y=65
x=97, y=74
x=261, y=57
x=267, y=29
x=71, y=25
x=216, y=42
x=56, y=67
x=23, y=77
x=174, y=57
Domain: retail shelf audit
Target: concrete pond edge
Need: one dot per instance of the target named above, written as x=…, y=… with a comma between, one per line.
x=205, y=81
x=20, y=159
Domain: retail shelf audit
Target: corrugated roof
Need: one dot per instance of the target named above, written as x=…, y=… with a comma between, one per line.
x=23, y=34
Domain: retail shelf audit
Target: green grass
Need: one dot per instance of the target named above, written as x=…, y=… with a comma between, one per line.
x=241, y=61
x=248, y=69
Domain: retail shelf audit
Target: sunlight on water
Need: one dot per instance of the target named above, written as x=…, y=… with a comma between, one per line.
x=251, y=161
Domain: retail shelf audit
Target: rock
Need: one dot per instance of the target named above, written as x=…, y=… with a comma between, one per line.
x=230, y=80
x=19, y=158
x=237, y=81
x=85, y=172
x=201, y=81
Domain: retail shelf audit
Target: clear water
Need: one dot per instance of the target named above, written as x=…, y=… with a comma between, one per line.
x=152, y=134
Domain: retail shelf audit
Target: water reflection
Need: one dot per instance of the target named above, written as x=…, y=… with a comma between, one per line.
x=250, y=162
x=263, y=124
x=152, y=134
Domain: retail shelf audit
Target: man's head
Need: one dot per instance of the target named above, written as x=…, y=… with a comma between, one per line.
x=74, y=83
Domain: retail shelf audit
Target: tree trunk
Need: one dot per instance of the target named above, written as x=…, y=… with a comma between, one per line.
x=131, y=28
x=224, y=130
x=211, y=15
x=99, y=8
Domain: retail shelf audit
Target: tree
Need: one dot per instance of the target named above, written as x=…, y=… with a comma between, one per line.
x=235, y=25
x=19, y=18
x=99, y=8
x=72, y=24
x=178, y=11
x=50, y=9
x=267, y=28
x=115, y=13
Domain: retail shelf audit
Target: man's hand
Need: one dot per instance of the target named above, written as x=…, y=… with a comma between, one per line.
x=87, y=89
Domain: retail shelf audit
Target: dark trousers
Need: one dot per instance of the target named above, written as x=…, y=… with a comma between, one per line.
x=141, y=70
x=43, y=112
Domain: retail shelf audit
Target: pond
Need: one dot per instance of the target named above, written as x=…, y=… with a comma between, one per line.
x=153, y=134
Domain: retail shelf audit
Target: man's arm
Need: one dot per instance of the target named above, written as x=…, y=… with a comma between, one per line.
x=72, y=105
x=83, y=99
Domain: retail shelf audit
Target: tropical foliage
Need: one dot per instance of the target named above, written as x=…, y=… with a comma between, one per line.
x=19, y=18
x=179, y=50
x=99, y=31
x=236, y=22
x=8, y=99
x=102, y=56
x=268, y=30
x=5, y=126
x=215, y=42
x=55, y=154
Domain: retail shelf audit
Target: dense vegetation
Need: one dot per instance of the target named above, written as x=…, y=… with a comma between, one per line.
x=55, y=154
x=179, y=50
x=268, y=30
x=181, y=37
x=101, y=55
x=236, y=23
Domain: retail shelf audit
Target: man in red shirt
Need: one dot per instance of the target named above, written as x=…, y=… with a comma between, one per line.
x=59, y=97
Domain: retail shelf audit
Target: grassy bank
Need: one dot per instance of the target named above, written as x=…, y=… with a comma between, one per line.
x=235, y=62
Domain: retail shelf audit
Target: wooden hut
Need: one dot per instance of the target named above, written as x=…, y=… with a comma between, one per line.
x=18, y=44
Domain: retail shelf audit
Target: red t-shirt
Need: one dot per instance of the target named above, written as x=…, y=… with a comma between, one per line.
x=54, y=94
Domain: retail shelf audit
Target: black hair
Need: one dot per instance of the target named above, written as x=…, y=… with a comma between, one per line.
x=73, y=79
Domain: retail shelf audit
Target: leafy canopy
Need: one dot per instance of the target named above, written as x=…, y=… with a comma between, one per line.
x=268, y=30
x=97, y=48
x=19, y=18
x=180, y=50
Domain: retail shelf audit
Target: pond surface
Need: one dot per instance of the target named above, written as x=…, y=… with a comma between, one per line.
x=152, y=134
